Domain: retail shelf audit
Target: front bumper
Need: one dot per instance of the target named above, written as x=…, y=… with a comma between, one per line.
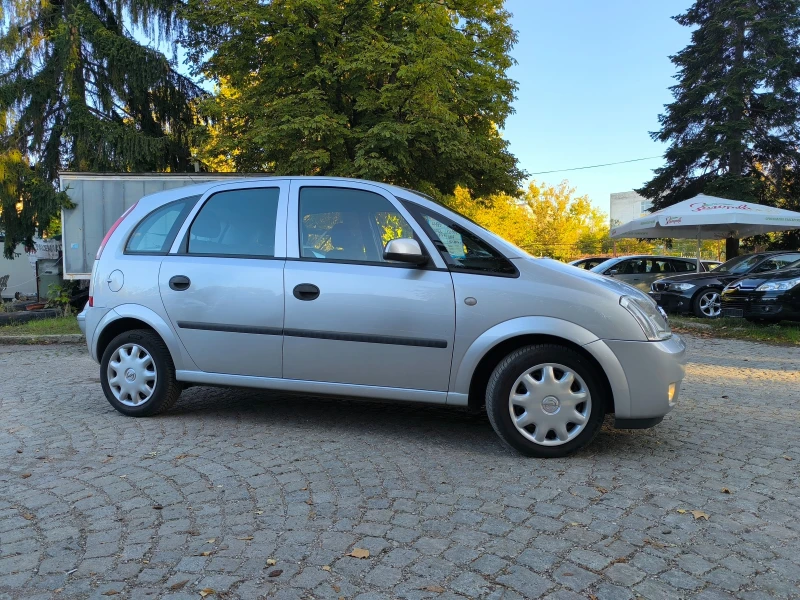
x=650, y=369
x=672, y=302
x=759, y=305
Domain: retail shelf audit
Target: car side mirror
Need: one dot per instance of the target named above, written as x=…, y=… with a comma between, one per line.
x=404, y=250
x=613, y=272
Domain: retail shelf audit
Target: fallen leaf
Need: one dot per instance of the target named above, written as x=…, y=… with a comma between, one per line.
x=71, y=572
x=28, y=517
x=303, y=489
x=682, y=511
x=359, y=553
x=245, y=539
x=110, y=593
x=275, y=573
x=179, y=585
x=654, y=543
x=699, y=514
x=122, y=476
x=58, y=590
x=259, y=512
x=181, y=456
x=25, y=475
x=619, y=560
x=433, y=588
x=157, y=507
x=326, y=568
x=146, y=562
x=787, y=457
x=271, y=562
x=725, y=491
x=206, y=553
x=574, y=524
x=600, y=489
x=207, y=592
x=567, y=574
x=310, y=502
x=211, y=541
x=107, y=459
x=336, y=588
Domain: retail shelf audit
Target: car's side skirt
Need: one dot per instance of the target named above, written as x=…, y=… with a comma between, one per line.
x=321, y=388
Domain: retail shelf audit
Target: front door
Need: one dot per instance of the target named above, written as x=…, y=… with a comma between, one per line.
x=351, y=316
x=223, y=285
x=641, y=272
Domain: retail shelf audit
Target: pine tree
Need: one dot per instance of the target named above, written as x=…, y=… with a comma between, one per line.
x=733, y=124
x=79, y=92
x=411, y=92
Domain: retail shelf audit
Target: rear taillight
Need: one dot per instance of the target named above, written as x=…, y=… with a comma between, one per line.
x=112, y=230
x=91, y=301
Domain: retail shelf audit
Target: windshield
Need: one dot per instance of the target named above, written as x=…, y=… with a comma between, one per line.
x=739, y=264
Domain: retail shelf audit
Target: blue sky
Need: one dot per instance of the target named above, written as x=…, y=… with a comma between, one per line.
x=593, y=77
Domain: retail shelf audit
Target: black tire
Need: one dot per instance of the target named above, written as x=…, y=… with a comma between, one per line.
x=762, y=320
x=698, y=299
x=166, y=390
x=506, y=373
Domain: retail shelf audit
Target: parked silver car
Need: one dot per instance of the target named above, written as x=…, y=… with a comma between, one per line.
x=643, y=269
x=352, y=288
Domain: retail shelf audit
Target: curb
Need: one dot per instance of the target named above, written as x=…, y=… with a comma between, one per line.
x=68, y=338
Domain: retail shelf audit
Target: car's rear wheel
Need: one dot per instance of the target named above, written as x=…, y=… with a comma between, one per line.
x=137, y=374
x=545, y=401
x=707, y=304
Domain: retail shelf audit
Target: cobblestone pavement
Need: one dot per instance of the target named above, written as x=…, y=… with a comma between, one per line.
x=253, y=494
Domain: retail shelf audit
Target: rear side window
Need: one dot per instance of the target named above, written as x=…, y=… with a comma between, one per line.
x=156, y=232
x=683, y=266
x=236, y=223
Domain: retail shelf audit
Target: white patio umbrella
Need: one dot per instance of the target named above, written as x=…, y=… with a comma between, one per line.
x=709, y=218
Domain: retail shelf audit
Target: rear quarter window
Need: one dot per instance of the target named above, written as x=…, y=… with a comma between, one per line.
x=155, y=233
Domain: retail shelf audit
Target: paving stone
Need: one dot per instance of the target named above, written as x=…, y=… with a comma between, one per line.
x=430, y=492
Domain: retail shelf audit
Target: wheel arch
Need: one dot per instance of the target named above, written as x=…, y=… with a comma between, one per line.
x=489, y=349
x=132, y=316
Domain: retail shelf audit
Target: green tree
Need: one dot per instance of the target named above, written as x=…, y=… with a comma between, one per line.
x=405, y=91
x=79, y=92
x=733, y=123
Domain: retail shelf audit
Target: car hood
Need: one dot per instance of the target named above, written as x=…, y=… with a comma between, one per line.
x=755, y=280
x=701, y=278
x=614, y=285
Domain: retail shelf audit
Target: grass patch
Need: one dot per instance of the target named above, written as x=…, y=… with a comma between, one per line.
x=785, y=333
x=57, y=326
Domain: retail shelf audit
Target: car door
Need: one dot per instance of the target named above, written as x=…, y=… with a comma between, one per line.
x=631, y=271
x=353, y=317
x=222, y=283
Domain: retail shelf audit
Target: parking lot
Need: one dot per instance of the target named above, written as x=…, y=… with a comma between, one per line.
x=242, y=494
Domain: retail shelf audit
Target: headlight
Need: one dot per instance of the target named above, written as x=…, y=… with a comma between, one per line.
x=648, y=316
x=680, y=287
x=778, y=286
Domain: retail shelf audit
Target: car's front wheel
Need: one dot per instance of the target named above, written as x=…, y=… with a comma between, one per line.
x=545, y=401
x=137, y=374
x=707, y=304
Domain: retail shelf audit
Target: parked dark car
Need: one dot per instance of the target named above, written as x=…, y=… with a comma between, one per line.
x=765, y=298
x=699, y=293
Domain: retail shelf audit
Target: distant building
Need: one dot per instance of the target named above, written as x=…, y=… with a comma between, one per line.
x=627, y=206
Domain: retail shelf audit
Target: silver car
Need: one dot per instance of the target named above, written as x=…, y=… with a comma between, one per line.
x=642, y=270
x=352, y=288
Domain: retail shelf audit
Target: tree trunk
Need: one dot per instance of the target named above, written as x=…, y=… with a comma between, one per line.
x=731, y=248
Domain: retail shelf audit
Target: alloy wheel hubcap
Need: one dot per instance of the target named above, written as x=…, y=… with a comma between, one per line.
x=550, y=404
x=710, y=304
x=132, y=375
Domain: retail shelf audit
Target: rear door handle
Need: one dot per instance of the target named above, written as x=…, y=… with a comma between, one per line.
x=179, y=283
x=306, y=291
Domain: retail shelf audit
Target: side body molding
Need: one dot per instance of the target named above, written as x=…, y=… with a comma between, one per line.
x=136, y=311
x=461, y=375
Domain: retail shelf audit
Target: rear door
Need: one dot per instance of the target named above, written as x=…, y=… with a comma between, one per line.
x=222, y=284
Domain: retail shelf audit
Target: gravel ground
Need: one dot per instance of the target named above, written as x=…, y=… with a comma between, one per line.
x=241, y=494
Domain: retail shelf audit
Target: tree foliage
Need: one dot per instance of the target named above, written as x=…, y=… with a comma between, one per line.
x=79, y=92
x=410, y=92
x=545, y=220
x=733, y=124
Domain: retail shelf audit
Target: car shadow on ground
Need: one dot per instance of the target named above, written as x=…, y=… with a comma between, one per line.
x=375, y=422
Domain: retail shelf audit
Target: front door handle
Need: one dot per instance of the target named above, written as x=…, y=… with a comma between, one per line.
x=179, y=283
x=306, y=291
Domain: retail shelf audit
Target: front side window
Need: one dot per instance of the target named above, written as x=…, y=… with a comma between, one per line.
x=157, y=231
x=236, y=223
x=778, y=262
x=462, y=249
x=342, y=224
